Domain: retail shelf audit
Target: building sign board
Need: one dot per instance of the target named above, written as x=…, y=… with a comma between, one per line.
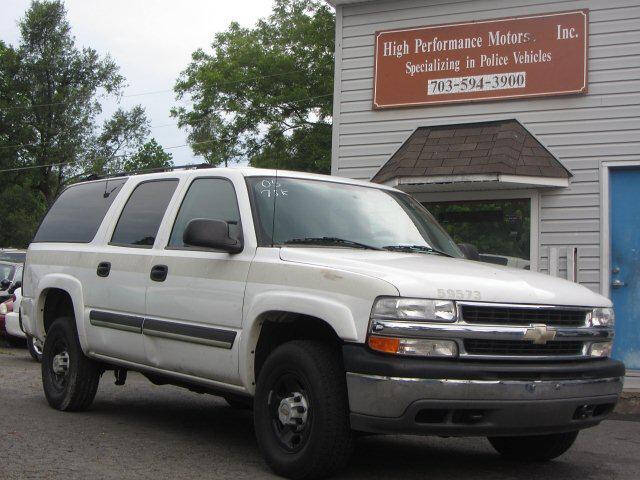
x=528, y=56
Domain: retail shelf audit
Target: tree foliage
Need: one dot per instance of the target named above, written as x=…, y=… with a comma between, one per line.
x=50, y=99
x=151, y=156
x=52, y=95
x=264, y=94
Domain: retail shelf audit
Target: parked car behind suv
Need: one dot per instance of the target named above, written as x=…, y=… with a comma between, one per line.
x=335, y=305
x=10, y=272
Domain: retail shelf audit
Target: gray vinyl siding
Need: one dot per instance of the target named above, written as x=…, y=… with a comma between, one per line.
x=581, y=131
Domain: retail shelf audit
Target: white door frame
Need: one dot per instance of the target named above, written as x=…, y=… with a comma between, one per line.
x=605, y=221
x=475, y=195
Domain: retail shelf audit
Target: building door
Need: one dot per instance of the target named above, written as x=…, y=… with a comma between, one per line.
x=625, y=264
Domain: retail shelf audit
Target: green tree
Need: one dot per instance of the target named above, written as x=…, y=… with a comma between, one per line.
x=50, y=91
x=50, y=98
x=264, y=94
x=122, y=136
x=151, y=156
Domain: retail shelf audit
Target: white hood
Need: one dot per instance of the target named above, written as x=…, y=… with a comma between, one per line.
x=435, y=276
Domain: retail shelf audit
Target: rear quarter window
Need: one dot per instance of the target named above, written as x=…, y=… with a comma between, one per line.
x=78, y=212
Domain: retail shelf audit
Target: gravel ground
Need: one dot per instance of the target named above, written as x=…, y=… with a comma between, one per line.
x=142, y=431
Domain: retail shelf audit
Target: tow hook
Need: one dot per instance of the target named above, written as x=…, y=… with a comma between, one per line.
x=120, y=375
x=583, y=412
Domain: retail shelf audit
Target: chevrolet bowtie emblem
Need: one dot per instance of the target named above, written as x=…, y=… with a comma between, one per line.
x=540, y=334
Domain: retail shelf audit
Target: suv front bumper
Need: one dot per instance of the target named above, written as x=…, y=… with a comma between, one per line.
x=461, y=398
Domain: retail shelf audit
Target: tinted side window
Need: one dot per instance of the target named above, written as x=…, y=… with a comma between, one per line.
x=210, y=198
x=141, y=217
x=78, y=212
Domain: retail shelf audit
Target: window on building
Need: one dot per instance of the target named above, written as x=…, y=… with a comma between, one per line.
x=78, y=212
x=499, y=229
x=141, y=217
x=210, y=198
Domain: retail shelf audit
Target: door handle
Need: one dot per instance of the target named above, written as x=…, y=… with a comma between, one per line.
x=103, y=270
x=159, y=273
x=617, y=283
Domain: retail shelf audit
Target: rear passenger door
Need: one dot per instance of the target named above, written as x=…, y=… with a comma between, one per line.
x=116, y=297
x=194, y=315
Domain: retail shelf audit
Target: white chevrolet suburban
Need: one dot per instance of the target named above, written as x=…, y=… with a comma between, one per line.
x=330, y=306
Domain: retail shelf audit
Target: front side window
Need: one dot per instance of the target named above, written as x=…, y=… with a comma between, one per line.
x=141, y=217
x=78, y=212
x=209, y=198
x=293, y=211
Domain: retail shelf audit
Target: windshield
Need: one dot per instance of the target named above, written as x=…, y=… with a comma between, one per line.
x=17, y=257
x=332, y=214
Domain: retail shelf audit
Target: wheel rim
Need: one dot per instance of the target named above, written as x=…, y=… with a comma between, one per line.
x=290, y=412
x=36, y=345
x=60, y=364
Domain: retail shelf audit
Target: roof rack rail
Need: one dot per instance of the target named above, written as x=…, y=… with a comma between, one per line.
x=196, y=166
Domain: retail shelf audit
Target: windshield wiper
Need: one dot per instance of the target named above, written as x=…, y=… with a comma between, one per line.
x=416, y=249
x=329, y=241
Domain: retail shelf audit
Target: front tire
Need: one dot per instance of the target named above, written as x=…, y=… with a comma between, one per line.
x=535, y=448
x=301, y=411
x=70, y=379
x=35, y=348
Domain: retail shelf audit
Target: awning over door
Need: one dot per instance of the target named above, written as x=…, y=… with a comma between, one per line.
x=479, y=156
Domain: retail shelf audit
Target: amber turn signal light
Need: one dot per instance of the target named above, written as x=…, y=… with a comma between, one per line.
x=384, y=344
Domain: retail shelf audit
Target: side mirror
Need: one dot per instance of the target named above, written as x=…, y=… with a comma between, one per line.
x=213, y=234
x=470, y=251
x=4, y=284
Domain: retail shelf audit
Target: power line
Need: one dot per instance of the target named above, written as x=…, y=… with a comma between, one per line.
x=177, y=123
x=63, y=164
x=16, y=169
x=155, y=92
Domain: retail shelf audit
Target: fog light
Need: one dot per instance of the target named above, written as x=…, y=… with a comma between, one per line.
x=414, y=346
x=602, y=349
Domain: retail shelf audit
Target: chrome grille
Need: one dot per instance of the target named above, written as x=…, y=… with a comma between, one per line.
x=517, y=348
x=489, y=315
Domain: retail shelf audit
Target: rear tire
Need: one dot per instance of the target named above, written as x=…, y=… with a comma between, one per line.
x=70, y=379
x=535, y=448
x=301, y=411
x=35, y=348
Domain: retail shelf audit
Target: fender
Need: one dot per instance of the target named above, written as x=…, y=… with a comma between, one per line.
x=73, y=287
x=349, y=322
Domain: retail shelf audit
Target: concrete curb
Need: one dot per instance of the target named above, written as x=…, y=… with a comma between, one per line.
x=629, y=403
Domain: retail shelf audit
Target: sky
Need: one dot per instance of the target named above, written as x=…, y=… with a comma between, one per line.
x=152, y=42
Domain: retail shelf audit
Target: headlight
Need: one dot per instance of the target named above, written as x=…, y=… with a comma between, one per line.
x=602, y=317
x=3, y=309
x=417, y=309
